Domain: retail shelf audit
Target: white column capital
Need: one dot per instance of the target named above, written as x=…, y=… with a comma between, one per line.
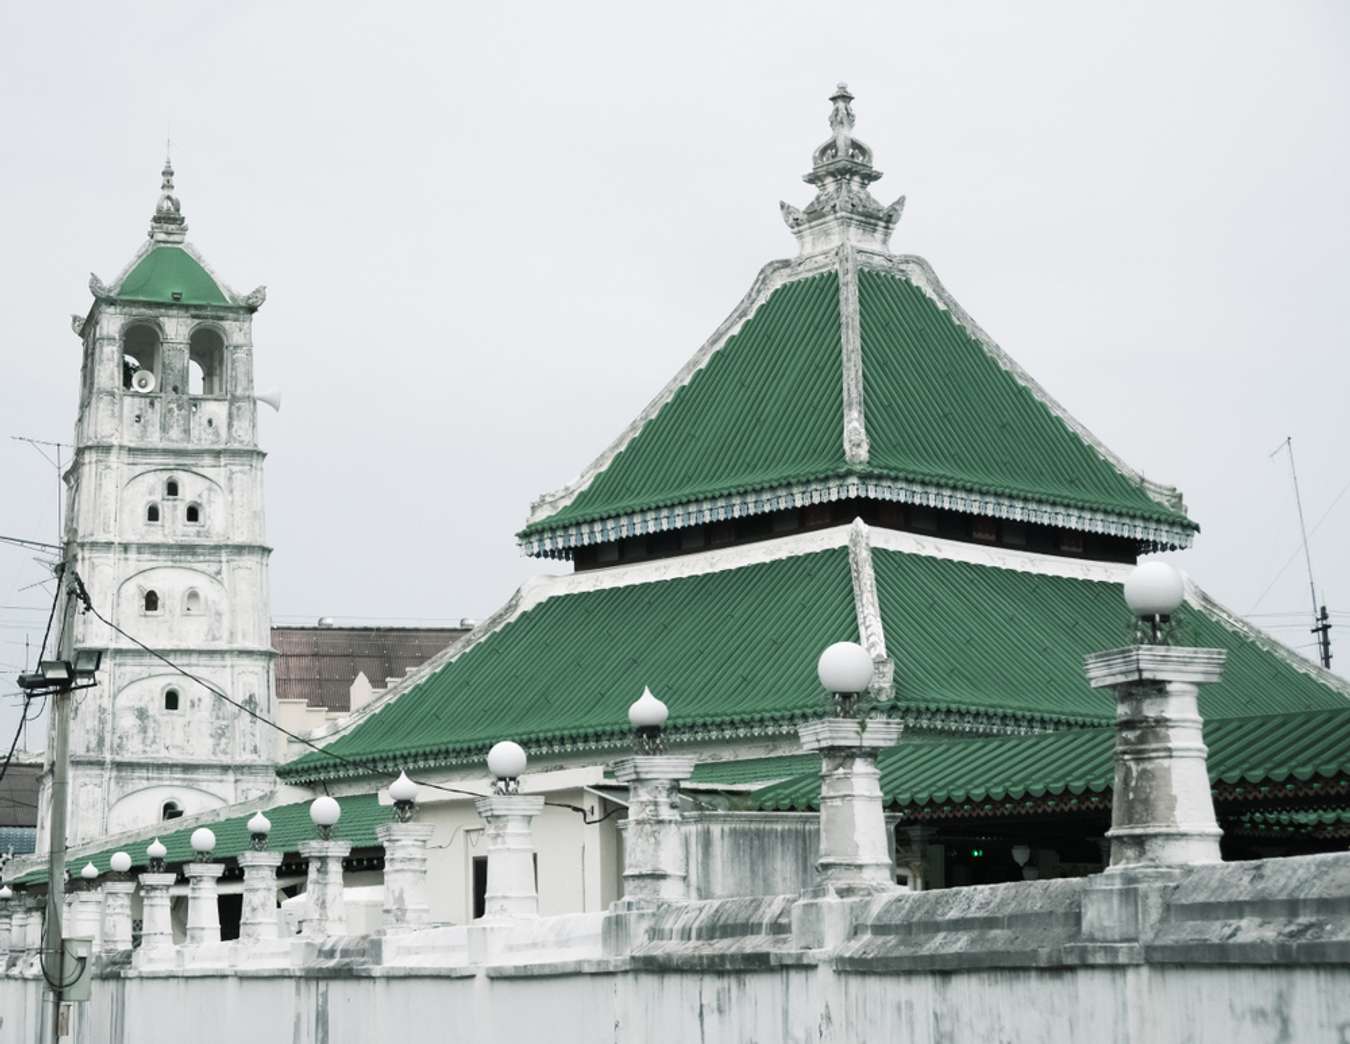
x=643, y=767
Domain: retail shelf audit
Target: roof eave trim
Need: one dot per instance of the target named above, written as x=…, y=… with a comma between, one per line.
x=990, y=721
x=562, y=541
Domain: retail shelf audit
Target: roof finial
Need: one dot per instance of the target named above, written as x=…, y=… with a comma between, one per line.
x=843, y=210
x=167, y=226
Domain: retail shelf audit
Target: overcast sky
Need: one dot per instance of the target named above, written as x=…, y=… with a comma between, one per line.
x=490, y=233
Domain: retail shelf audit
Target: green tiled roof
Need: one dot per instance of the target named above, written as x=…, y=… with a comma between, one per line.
x=361, y=814
x=727, y=647
x=763, y=420
x=167, y=270
x=765, y=410
x=940, y=409
x=987, y=646
x=974, y=637
x=1260, y=749
x=754, y=770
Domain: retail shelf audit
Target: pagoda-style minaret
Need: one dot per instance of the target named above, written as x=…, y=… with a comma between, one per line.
x=165, y=527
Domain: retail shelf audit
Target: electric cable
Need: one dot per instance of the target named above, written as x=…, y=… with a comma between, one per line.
x=263, y=719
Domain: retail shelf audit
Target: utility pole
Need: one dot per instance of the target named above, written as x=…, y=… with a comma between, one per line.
x=1321, y=621
x=59, y=679
x=1322, y=630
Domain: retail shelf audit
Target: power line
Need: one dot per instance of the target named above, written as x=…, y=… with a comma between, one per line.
x=1290, y=560
x=89, y=607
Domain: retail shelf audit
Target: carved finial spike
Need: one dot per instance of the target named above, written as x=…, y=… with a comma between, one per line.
x=167, y=225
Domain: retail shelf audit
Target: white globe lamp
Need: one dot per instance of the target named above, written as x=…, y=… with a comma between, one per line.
x=120, y=862
x=845, y=669
x=506, y=761
x=203, y=841
x=1154, y=589
x=324, y=812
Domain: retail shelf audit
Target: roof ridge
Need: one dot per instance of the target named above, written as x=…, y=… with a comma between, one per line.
x=867, y=606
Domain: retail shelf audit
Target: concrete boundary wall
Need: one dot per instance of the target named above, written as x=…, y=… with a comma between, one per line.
x=1228, y=954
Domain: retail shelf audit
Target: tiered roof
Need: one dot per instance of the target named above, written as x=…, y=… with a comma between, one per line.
x=976, y=639
x=851, y=372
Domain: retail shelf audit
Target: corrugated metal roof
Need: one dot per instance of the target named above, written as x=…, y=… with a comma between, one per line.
x=361, y=814
x=732, y=646
x=319, y=664
x=1266, y=748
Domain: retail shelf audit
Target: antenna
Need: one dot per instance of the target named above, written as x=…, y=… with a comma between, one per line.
x=1321, y=619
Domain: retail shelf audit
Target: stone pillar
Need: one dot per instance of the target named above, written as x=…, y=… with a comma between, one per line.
x=655, y=861
x=854, y=848
x=84, y=915
x=1162, y=811
x=405, y=873
x=6, y=929
x=18, y=926
x=258, y=919
x=116, y=929
x=511, y=890
x=203, y=919
x=914, y=856
x=37, y=915
x=156, y=923
x=327, y=912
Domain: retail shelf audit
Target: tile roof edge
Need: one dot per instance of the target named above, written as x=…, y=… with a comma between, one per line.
x=921, y=274
x=333, y=730
x=1202, y=600
x=770, y=278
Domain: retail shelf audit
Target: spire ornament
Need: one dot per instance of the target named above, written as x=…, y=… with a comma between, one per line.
x=843, y=211
x=168, y=225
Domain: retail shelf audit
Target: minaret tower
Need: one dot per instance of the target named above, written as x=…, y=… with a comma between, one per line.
x=165, y=527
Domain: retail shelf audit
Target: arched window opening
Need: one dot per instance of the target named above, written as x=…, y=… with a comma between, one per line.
x=171, y=488
x=193, y=602
x=152, y=513
x=152, y=601
x=194, y=514
x=206, y=363
x=140, y=351
x=170, y=699
x=170, y=810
